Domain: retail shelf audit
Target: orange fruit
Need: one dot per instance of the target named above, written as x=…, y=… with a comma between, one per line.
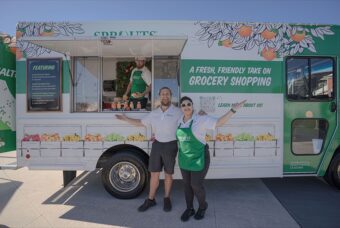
x=298, y=36
x=18, y=34
x=13, y=50
x=19, y=54
x=268, y=35
x=268, y=54
x=245, y=31
x=227, y=43
x=46, y=34
x=12, y=47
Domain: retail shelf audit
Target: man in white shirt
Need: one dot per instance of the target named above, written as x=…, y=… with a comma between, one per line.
x=163, y=121
x=140, y=83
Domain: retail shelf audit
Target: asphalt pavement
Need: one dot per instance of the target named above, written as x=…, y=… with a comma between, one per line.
x=310, y=201
x=31, y=198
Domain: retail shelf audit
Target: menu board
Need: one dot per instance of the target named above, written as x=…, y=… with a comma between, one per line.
x=44, y=84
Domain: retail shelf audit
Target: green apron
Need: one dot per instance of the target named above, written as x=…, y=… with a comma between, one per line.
x=191, y=150
x=138, y=83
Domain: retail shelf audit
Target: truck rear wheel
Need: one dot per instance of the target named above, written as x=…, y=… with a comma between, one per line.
x=335, y=170
x=125, y=175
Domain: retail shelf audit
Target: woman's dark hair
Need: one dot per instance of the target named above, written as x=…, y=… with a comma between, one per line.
x=164, y=87
x=185, y=98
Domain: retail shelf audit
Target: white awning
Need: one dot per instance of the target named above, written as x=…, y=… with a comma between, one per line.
x=112, y=47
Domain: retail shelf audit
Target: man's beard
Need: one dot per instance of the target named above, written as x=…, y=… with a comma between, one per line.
x=165, y=104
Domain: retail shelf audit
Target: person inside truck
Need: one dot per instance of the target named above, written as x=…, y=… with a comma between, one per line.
x=164, y=149
x=139, y=85
x=193, y=154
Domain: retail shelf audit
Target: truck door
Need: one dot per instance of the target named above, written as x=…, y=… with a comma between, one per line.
x=310, y=112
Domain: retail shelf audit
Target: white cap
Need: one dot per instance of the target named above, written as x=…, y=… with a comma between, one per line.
x=140, y=58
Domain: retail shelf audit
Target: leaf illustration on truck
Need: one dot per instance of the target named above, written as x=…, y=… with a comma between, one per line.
x=7, y=103
x=35, y=29
x=271, y=40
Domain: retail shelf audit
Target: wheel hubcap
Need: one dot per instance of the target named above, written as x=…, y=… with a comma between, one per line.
x=124, y=176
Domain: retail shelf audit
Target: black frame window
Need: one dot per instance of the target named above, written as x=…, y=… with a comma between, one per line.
x=308, y=136
x=310, y=78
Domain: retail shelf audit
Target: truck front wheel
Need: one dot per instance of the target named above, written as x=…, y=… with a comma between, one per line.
x=125, y=175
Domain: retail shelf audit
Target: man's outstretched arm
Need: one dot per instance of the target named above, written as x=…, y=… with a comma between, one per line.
x=136, y=122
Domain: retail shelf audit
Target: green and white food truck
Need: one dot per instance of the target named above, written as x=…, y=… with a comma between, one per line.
x=70, y=79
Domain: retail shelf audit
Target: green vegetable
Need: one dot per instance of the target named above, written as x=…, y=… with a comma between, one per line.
x=244, y=137
x=114, y=137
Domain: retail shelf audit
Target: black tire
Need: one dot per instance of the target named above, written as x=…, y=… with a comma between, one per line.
x=334, y=170
x=125, y=175
x=328, y=177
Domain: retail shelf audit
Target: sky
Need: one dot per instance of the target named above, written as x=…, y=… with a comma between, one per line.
x=282, y=11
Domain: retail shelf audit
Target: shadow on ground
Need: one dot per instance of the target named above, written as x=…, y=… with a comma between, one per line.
x=8, y=187
x=311, y=201
x=232, y=203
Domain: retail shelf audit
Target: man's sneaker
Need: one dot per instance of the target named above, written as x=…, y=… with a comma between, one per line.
x=187, y=214
x=167, y=204
x=147, y=204
x=200, y=212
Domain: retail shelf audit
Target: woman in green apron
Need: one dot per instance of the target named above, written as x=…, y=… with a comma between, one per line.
x=193, y=156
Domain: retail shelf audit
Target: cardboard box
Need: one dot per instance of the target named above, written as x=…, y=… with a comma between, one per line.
x=265, y=144
x=93, y=153
x=93, y=145
x=72, y=145
x=72, y=152
x=30, y=144
x=224, y=144
x=50, y=145
x=224, y=153
x=265, y=152
x=244, y=144
x=243, y=152
x=50, y=152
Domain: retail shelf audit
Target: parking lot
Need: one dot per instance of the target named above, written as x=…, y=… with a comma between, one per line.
x=37, y=199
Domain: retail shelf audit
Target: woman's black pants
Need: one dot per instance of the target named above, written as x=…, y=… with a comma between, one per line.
x=193, y=183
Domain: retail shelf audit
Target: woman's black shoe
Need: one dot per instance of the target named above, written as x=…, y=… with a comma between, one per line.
x=167, y=204
x=200, y=212
x=187, y=214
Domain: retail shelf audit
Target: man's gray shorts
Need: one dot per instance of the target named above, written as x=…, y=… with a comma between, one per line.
x=163, y=155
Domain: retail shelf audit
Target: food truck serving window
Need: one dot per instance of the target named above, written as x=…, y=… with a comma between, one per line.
x=118, y=74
